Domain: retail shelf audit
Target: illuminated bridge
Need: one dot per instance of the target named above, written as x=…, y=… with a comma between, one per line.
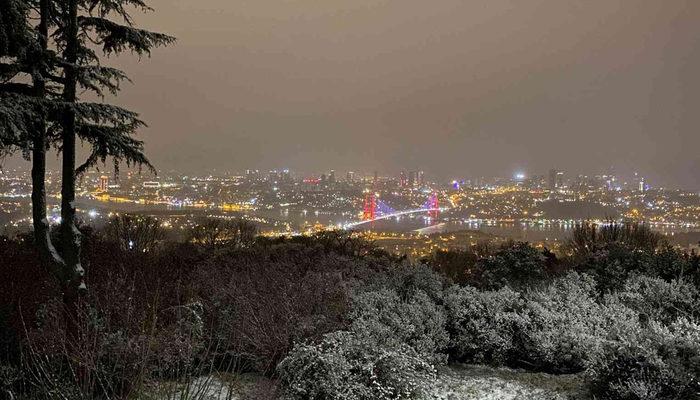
x=376, y=210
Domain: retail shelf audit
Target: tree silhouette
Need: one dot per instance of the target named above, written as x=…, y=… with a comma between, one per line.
x=48, y=111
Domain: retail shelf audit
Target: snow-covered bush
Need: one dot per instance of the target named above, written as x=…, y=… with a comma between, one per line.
x=657, y=299
x=349, y=365
x=396, y=336
x=567, y=325
x=417, y=321
x=658, y=362
x=483, y=326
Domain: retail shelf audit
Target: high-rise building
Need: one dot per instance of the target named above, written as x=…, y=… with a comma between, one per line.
x=376, y=176
x=104, y=183
x=421, y=178
x=403, y=181
x=560, y=179
x=412, y=179
x=350, y=177
x=331, y=176
x=552, y=179
x=286, y=176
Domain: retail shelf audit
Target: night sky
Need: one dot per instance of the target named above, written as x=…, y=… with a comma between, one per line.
x=454, y=87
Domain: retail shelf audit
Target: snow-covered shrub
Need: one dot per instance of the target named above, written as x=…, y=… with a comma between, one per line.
x=349, y=365
x=567, y=325
x=396, y=336
x=417, y=321
x=483, y=326
x=655, y=363
x=656, y=299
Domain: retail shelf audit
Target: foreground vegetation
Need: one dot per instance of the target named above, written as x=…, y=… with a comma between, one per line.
x=332, y=317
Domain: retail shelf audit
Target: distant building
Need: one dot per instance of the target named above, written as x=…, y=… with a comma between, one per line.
x=286, y=176
x=151, y=185
x=403, y=180
x=552, y=179
x=104, y=183
x=421, y=178
x=412, y=179
x=555, y=179
x=350, y=177
x=331, y=176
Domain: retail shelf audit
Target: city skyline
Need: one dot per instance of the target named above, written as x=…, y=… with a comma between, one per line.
x=448, y=87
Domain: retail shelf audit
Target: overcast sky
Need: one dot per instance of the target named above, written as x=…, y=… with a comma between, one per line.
x=454, y=87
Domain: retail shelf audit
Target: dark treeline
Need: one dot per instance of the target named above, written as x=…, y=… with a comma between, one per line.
x=333, y=317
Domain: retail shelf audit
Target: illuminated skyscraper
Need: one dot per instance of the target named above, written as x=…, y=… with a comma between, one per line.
x=286, y=176
x=104, y=183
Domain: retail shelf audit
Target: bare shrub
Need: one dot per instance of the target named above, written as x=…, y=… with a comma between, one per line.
x=212, y=233
x=137, y=233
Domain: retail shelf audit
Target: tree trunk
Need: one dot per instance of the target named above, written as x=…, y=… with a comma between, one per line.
x=42, y=233
x=70, y=235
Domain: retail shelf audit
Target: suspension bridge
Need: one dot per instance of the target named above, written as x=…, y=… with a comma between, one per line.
x=375, y=209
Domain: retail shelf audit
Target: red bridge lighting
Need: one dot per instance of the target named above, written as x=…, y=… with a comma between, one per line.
x=369, y=211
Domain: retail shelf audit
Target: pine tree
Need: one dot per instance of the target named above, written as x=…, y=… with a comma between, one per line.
x=23, y=105
x=49, y=112
x=108, y=129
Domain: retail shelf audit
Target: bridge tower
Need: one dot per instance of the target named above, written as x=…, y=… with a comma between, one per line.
x=434, y=206
x=369, y=211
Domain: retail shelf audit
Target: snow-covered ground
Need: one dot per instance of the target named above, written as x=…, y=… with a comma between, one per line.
x=485, y=383
x=456, y=382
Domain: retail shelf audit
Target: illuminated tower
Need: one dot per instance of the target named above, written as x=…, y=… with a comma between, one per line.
x=104, y=183
x=434, y=206
x=369, y=210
